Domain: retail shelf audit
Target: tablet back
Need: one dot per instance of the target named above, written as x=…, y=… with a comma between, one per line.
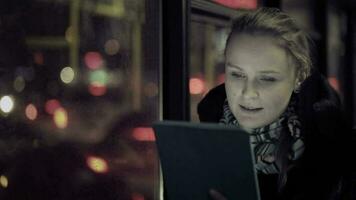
x=197, y=157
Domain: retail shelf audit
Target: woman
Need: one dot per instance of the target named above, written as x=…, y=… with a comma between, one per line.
x=293, y=116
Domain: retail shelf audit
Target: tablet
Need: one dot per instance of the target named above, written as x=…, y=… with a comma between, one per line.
x=197, y=157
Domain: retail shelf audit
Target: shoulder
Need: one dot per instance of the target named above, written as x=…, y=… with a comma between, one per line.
x=210, y=107
x=326, y=129
x=319, y=106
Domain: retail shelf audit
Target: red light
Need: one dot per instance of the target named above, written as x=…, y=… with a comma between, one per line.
x=136, y=196
x=143, y=134
x=334, y=82
x=247, y=4
x=38, y=58
x=93, y=60
x=97, y=89
x=196, y=86
x=52, y=105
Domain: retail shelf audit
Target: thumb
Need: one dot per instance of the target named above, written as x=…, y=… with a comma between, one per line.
x=216, y=195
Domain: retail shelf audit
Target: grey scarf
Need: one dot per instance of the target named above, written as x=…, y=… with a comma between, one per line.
x=265, y=140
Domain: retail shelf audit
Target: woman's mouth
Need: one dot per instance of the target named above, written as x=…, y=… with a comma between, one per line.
x=250, y=109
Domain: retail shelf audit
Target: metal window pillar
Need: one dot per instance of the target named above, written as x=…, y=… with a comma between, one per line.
x=174, y=77
x=349, y=69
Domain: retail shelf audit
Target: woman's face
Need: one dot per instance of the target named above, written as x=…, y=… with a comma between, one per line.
x=259, y=79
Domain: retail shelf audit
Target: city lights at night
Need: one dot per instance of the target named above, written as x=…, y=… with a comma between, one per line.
x=60, y=118
x=52, y=105
x=19, y=84
x=97, y=89
x=4, y=182
x=97, y=164
x=93, y=60
x=196, y=86
x=143, y=134
x=6, y=104
x=67, y=75
x=31, y=112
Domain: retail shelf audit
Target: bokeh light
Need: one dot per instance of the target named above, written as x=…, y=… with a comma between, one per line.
x=334, y=82
x=69, y=34
x=97, y=89
x=137, y=196
x=38, y=58
x=98, y=76
x=67, y=75
x=60, y=118
x=196, y=86
x=52, y=105
x=4, y=182
x=246, y=4
x=6, y=104
x=19, y=84
x=31, y=112
x=93, y=60
x=112, y=47
x=97, y=164
x=143, y=134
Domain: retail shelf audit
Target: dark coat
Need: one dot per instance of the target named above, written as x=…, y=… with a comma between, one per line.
x=321, y=171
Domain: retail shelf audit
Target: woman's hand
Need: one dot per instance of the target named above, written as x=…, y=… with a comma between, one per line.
x=215, y=195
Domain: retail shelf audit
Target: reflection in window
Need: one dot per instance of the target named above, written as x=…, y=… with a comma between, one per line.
x=78, y=92
x=207, y=44
x=238, y=4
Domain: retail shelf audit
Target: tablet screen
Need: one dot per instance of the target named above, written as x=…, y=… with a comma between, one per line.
x=197, y=157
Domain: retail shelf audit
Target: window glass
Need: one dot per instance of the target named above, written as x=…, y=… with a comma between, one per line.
x=79, y=89
x=207, y=44
x=238, y=4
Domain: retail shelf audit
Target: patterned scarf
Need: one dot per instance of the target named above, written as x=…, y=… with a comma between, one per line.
x=265, y=140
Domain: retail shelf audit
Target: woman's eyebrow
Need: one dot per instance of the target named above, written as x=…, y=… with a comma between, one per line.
x=262, y=72
x=234, y=66
x=269, y=72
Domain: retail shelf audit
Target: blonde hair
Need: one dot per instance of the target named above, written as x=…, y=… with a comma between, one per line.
x=272, y=22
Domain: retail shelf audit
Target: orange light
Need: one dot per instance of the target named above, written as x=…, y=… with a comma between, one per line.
x=196, y=86
x=60, y=118
x=137, y=196
x=334, y=82
x=248, y=4
x=97, y=164
x=97, y=89
x=143, y=134
x=93, y=60
x=38, y=58
x=31, y=112
x=52, y=105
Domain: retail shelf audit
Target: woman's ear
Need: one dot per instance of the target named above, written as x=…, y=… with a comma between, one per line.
x=301, y=76
x=297, y=86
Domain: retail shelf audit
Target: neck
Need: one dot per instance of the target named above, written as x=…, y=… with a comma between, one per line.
x=248, y=130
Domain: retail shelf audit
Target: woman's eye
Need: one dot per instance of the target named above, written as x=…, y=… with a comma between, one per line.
x=237, y=75
x=268, y=79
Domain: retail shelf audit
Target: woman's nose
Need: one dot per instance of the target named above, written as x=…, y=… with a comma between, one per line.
x=249, y=91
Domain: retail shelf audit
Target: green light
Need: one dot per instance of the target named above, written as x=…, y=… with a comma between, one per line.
x=98, y=76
